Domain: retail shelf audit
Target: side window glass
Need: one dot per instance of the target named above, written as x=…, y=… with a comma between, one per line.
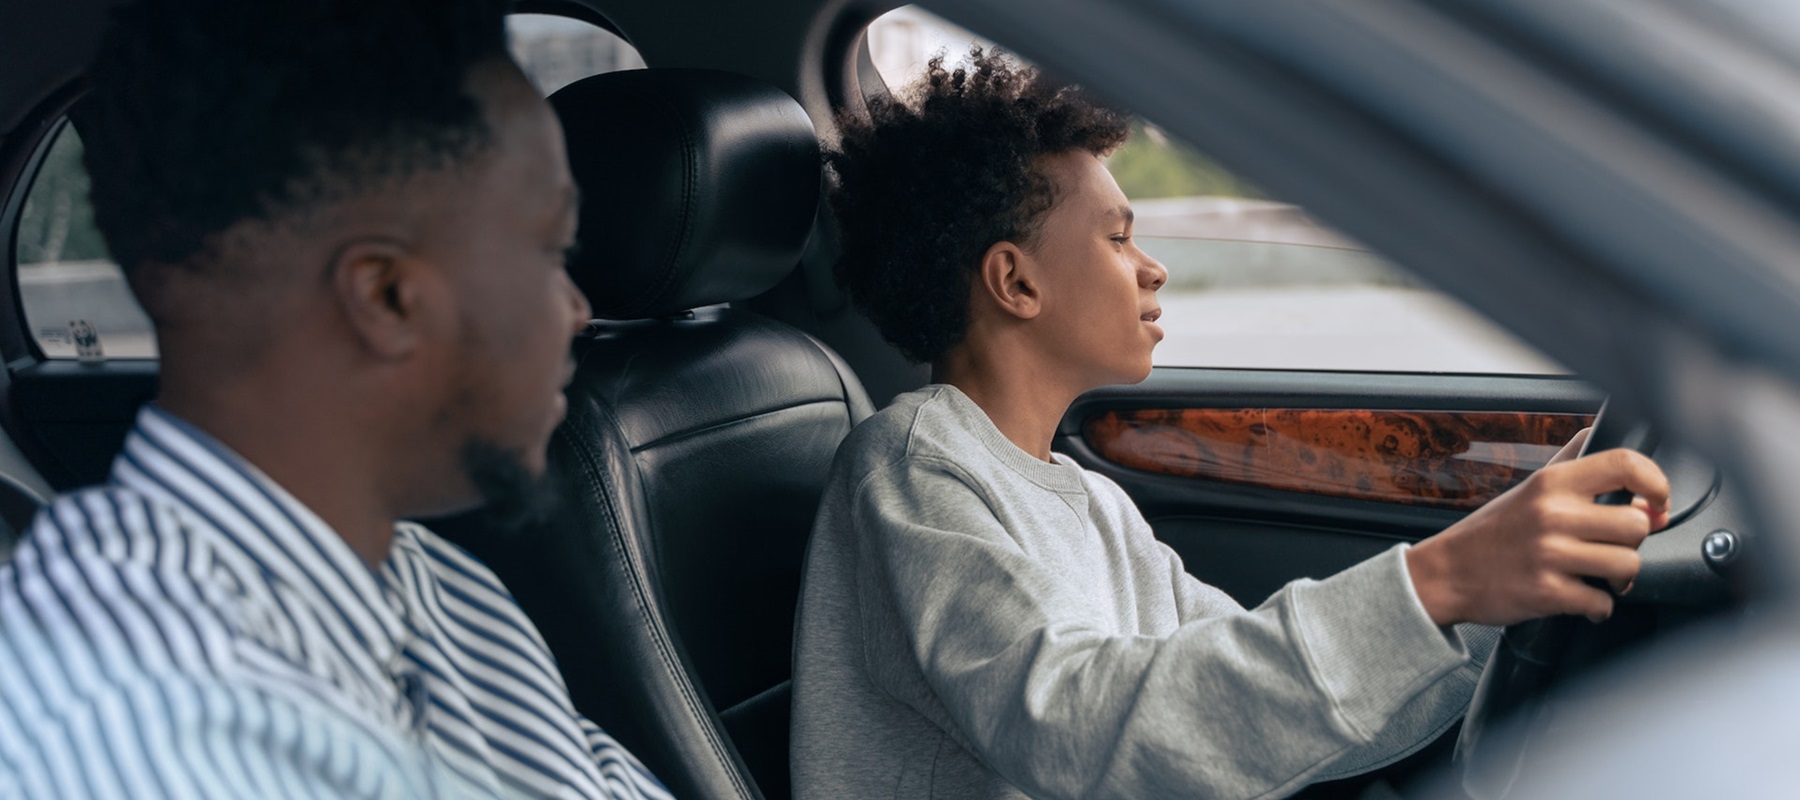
x=556, y=51
x=76, y=301
x=1254, y=282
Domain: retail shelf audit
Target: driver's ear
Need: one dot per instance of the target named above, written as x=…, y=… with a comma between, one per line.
x=1007, y=277
x=383, y=292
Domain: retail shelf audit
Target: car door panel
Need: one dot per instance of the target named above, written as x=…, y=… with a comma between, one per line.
x=1257, y=478
x=1438, y=459
x=1250, y=560
x=71, y=418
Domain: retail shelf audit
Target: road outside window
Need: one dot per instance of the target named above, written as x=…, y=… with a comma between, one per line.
x=1253, y=282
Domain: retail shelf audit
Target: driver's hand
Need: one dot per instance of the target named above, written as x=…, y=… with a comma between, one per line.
x=1659, y=516
x=1524, y=555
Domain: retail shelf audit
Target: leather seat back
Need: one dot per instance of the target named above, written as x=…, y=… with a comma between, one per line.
x=698, y=436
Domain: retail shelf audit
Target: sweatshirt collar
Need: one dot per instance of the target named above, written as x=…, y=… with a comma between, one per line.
x=1060, y=474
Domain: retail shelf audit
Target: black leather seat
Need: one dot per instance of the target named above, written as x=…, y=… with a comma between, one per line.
x=698, y=436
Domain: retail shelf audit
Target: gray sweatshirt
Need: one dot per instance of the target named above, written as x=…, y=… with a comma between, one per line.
x=976, y=623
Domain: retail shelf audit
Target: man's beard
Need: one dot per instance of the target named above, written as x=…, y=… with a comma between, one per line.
x=512, y=497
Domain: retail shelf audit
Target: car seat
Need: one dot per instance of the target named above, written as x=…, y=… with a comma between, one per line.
x=698, y=435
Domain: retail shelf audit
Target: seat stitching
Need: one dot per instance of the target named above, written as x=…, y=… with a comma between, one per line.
x=714, y=426
x=660, y=636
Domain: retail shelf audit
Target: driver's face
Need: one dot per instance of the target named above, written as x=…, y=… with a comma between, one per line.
x=1100, y=303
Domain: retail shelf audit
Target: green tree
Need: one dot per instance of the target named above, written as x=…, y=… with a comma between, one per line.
x=58, y=220
x=1151, y=164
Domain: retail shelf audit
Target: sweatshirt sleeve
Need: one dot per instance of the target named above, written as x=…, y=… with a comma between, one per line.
x=1027, y=676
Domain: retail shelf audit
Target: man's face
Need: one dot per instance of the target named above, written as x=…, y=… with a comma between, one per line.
x=1099, y=306
x=503, y=261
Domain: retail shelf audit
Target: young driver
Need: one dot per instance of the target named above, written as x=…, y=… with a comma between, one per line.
x=982, y=618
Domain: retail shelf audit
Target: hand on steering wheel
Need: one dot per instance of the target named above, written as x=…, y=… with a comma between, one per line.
x=1526, y=658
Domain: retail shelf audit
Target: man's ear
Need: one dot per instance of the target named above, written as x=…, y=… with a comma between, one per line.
x=381, y=289
x=1006, y=278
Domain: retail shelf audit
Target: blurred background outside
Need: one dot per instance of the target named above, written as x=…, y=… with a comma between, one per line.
x=1254, y=282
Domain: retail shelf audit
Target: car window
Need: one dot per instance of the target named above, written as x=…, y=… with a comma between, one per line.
x=75, y=298
x=557, y=51
x=1254, y=282
x=76, y=301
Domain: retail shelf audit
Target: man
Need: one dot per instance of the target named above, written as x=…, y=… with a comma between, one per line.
x=346, y=219
x=981, y=618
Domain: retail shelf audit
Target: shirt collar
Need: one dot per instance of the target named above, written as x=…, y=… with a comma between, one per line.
x=169, y=458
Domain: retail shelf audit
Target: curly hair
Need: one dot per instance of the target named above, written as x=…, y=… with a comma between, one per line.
x=936, y=175
x=205, y=113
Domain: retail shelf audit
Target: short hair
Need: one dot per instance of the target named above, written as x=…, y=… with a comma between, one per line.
x=206, y=113
x=940, y=172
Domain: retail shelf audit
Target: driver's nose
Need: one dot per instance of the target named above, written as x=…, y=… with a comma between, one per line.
x=1151, y=273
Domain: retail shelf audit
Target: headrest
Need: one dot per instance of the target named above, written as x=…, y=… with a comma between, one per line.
x=697, y=187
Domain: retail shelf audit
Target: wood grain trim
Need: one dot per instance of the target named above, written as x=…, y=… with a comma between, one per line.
x=1438, y=459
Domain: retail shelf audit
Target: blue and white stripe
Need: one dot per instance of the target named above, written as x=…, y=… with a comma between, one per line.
x=192, y=630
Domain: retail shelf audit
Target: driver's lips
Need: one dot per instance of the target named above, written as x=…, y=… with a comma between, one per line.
x=1149, y=318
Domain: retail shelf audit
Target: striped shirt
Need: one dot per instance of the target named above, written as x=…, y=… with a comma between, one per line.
x=189, y=629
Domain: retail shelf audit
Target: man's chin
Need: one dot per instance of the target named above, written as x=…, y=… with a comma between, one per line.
x=515, y=488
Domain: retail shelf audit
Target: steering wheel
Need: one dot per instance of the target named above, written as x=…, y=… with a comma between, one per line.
x=1530, y=653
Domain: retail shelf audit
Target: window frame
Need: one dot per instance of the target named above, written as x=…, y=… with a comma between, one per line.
x=20, y=163
x=575, y=11
x=66, y=123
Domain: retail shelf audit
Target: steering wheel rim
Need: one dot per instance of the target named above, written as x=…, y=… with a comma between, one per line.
x=1529, y=653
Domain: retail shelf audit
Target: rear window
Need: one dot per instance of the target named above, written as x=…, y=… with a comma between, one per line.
x=557, y=51
x=76, y=300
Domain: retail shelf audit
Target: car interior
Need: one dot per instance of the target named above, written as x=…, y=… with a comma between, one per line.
x=698, y=434
x=725, y=367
